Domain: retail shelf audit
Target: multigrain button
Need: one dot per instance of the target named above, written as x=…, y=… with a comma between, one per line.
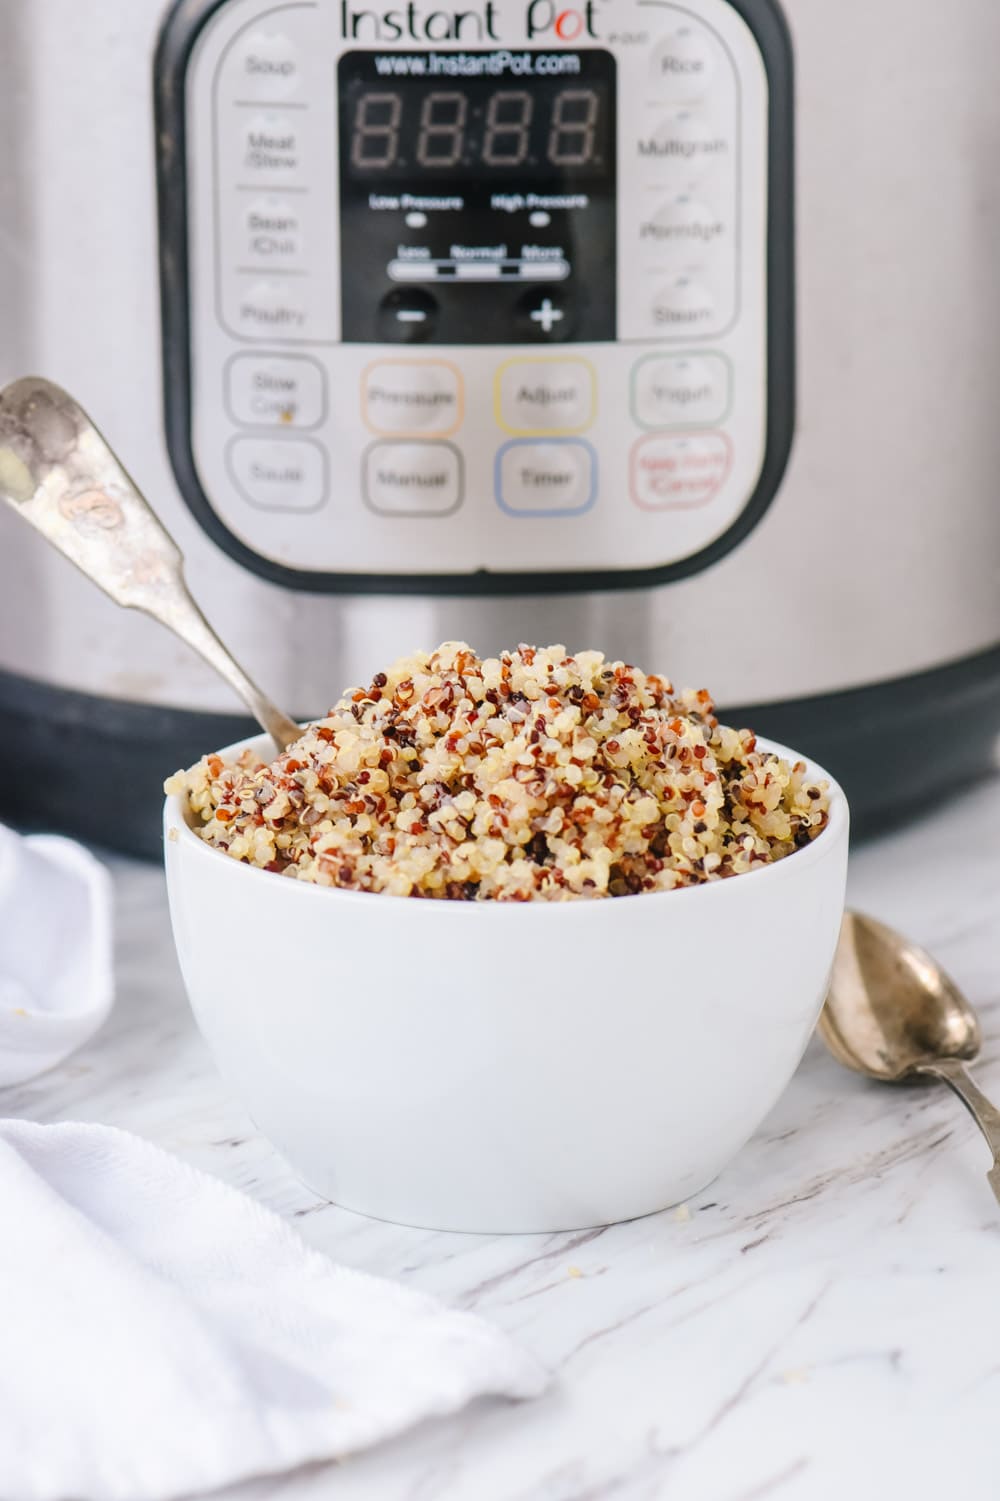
x=683, y=305
x=545, y=396
x=683, y=148
x=683, y=63
x=558, y=478
x=412, y=479
x=275, y=390
x=412, y=396
x=268, y=66
x=279, y=474
x=272, y=146
x=679, y=473
x=679, y=390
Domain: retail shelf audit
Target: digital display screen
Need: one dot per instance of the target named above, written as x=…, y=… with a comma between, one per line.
x=536, y=127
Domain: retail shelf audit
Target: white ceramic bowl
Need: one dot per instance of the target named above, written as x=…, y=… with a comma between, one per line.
x=506, y=1066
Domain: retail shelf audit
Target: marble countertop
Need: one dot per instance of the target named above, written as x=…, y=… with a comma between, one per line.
x=824, y=1321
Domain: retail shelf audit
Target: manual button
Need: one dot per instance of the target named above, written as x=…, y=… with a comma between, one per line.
x=279, y=474
x=538, y=397
x=412, y=479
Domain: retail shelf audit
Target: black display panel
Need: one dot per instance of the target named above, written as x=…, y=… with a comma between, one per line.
x=477, y=197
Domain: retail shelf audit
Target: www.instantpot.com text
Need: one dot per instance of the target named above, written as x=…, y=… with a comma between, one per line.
x=475, y=64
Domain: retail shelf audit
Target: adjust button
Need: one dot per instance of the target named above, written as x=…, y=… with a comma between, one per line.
x=421, y=397
x=558, y=478
x=279, y=474
x=679, y=473
x=544, y=396
x=275, y=390
x=679, y=390
x=412, y=479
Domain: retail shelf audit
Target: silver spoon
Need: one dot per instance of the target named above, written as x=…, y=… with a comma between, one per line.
x=60, y=475
x=892, y=1013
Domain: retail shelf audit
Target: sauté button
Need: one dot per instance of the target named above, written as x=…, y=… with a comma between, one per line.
x=406, y=396
x=412, y=479
x=407, y=315
x=279, y=474
x=680, y=389
x=545, y=396
x=275, y=390
x=679, y=473
x=558, y=478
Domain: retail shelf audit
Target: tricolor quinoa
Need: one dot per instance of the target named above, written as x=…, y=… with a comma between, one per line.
x=530, y=776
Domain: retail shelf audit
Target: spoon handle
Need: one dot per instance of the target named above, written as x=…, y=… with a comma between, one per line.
x=60, y=475
x=983, y=1112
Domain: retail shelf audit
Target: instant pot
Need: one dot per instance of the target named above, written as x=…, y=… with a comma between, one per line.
x=513, y=320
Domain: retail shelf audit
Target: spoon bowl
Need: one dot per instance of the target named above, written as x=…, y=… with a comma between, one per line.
x=892, y=1013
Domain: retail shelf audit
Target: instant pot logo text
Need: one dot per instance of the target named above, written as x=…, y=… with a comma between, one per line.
x=548, y=18
x=418, y=23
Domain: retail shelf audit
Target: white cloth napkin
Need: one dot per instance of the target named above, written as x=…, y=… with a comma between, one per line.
x=56, y=978
x=162, y=1333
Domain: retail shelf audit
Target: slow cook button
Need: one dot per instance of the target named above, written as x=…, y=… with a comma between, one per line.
x=679, y=473
x=683, y=63
x=275, y=390
x=558, y=478
x=268, y=66
x=279, y=474
x=678, y=390
x=271, y=146
x=412, y=479
x=412, y=396
x=545, y=396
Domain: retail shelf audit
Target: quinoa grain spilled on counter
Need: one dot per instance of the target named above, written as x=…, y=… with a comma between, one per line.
x=530, y=776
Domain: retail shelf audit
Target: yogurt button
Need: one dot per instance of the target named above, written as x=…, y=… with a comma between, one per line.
x=279, y=474
x=546, y=479
x=412, y=479
x=680, y=390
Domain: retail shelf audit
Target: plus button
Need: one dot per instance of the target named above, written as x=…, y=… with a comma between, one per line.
x=547, y=316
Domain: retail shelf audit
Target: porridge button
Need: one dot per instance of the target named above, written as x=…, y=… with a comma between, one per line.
x=546, y=479
x=545, y=396
x=412, y=479
x=279, y=474
x=679, y=473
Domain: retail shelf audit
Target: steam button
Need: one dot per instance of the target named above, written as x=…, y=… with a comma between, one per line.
x=683, y=306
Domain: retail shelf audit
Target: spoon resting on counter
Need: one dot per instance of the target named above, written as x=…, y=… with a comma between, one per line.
x=59, y=474
x=892, y=1013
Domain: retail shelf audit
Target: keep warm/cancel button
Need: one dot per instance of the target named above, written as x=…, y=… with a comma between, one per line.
x=412, y=479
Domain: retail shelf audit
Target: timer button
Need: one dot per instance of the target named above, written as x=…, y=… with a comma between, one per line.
x=683, y=306
x=544, y=315
x=407, y=315
x=683, y=63
x=558, y=478
x=423, y=397
x=279, y=474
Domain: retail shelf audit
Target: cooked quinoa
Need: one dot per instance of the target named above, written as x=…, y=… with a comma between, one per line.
x=534, y=775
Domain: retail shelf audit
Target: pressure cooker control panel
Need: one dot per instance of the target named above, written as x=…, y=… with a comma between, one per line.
x=478, y=294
